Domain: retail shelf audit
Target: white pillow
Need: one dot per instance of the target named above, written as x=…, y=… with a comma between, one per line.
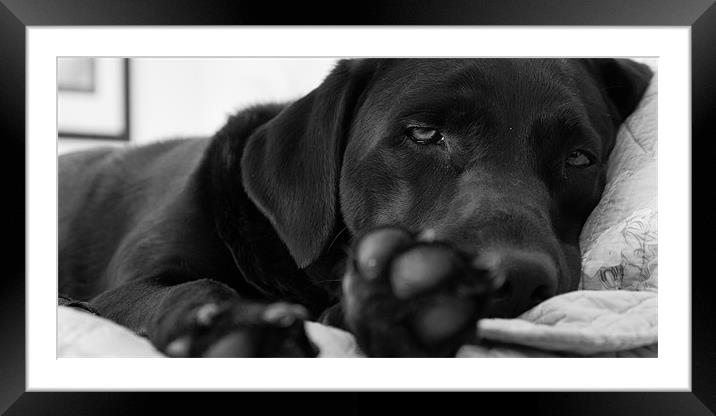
x=619, y=240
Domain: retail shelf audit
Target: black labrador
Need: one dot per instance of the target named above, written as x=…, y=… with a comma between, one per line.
x=402, y=199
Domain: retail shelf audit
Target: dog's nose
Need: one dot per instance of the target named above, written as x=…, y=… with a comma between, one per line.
x=522, y=279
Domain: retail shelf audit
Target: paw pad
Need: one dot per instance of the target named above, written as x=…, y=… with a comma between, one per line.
x=374, y=250
x=206, y=313
x=284, y=314
x=422, y=268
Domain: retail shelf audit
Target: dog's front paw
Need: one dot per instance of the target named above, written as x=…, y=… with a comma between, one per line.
x=244, y=330
x=407, y=297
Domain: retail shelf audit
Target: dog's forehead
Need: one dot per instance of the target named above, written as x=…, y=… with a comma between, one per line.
x=485, y=73
x=472, y=85
x=515, y=102
x=511, y=92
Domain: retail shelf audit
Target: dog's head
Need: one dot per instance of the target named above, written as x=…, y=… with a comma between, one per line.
x=503, y=158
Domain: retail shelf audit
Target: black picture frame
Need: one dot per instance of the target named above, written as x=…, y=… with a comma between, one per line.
x=125, y=118
x=699, y=15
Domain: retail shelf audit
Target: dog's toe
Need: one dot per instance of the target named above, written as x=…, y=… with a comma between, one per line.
x=375, y=249
x=180, y=347
x=284, y=314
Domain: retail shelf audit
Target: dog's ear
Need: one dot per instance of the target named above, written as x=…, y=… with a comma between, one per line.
x=291, y=166
x=623, y=81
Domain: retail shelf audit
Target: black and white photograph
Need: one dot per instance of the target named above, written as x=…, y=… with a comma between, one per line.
x=471, y=207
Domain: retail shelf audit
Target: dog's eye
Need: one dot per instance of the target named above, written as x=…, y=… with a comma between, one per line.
x=579, y=159
x=423, y=135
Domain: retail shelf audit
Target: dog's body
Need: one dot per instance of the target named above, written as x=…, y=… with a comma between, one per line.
x=463, y=185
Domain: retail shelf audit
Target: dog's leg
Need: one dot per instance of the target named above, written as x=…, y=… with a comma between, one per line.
x=206, y=318
x=406, y=297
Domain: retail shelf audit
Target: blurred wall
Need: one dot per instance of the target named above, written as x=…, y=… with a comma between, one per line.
x=193, y=97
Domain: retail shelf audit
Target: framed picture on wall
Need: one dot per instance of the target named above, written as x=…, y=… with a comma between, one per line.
x=93, y=98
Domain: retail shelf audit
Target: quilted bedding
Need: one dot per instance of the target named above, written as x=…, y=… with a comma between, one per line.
x=614, y=315
x=583, y=323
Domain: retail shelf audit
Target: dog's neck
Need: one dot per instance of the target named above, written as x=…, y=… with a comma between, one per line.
x=248, y=234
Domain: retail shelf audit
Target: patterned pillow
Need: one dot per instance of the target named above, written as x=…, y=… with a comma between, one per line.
x=619, y=240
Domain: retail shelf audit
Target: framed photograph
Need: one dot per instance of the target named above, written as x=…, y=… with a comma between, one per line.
x=93, y=98
x=675, y=380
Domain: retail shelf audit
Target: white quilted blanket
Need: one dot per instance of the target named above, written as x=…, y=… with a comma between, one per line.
x=615, y=316
x=583, y=323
